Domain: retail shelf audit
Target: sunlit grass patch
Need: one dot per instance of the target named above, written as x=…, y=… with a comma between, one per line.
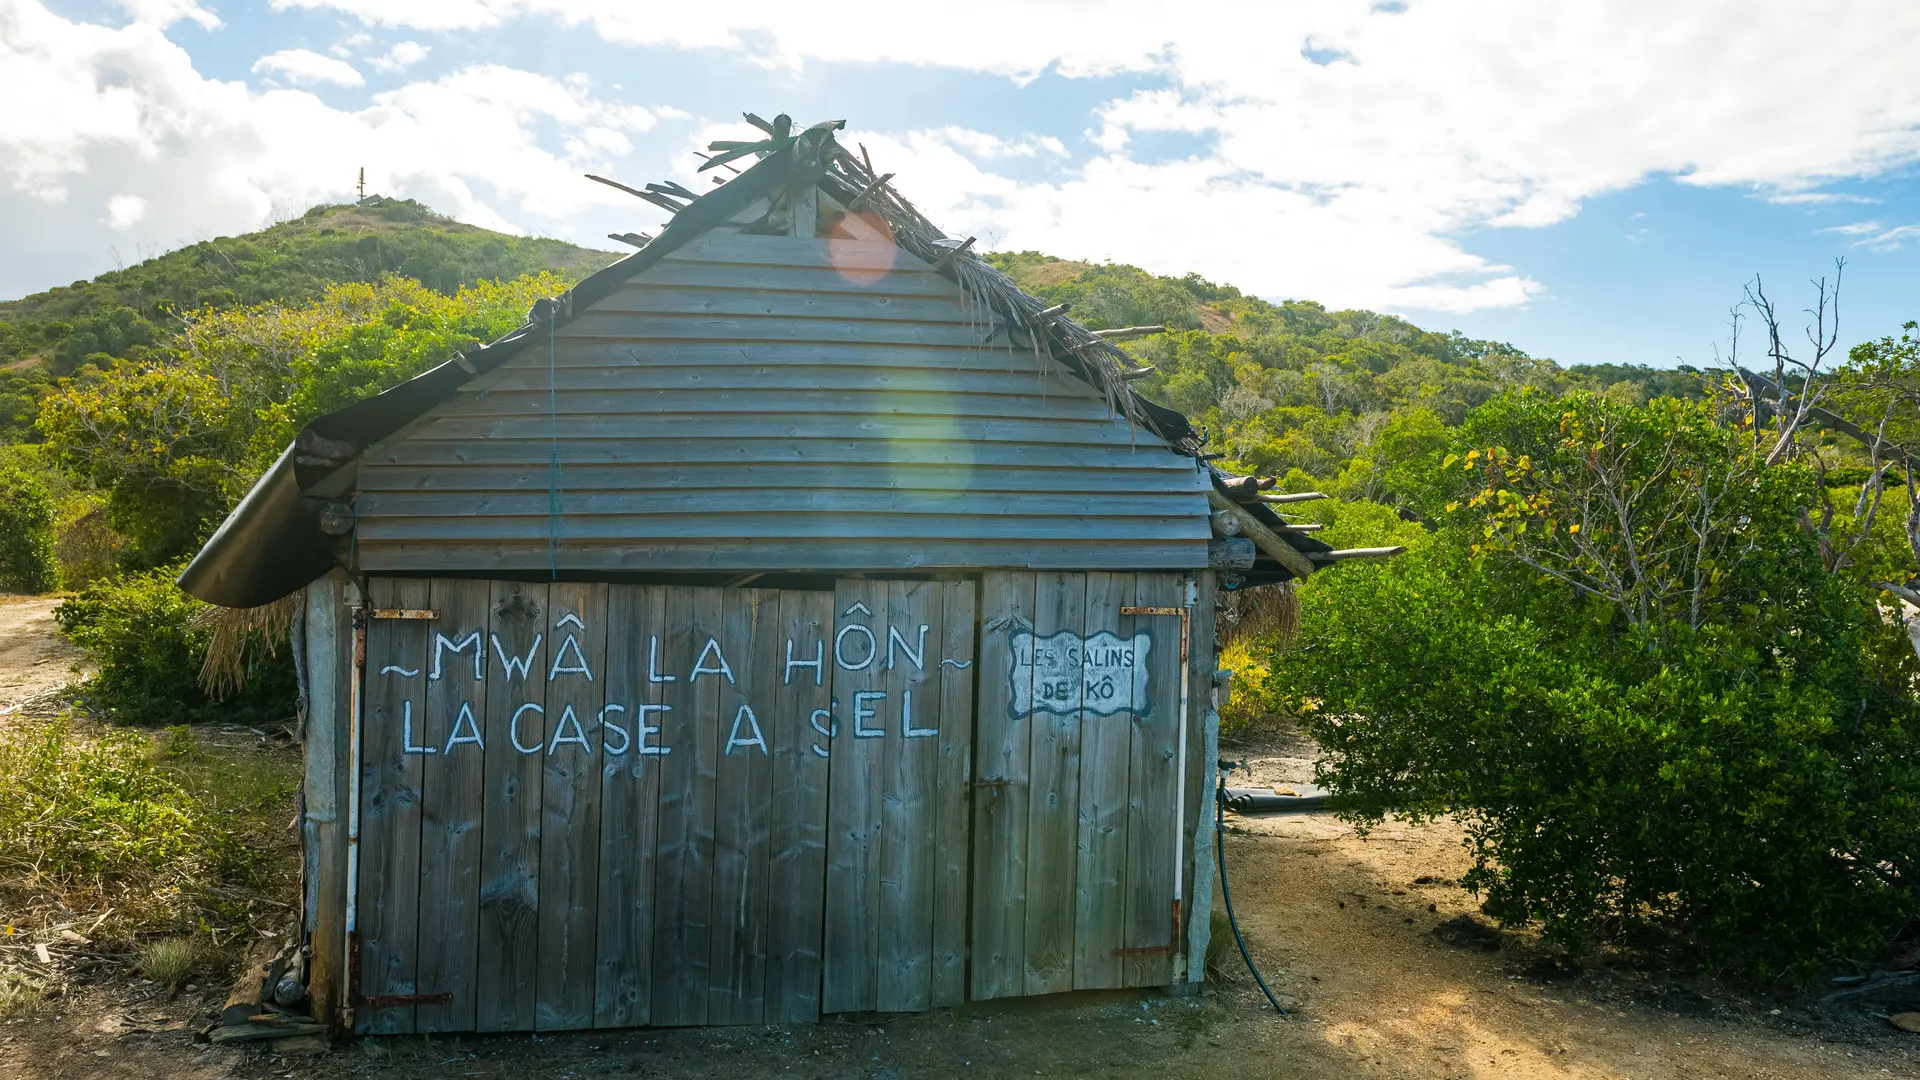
x=147, y=836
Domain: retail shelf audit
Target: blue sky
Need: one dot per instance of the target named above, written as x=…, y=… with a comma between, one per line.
x=1559, y=176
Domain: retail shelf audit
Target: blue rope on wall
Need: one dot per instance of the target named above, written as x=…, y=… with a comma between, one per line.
x=553, y=460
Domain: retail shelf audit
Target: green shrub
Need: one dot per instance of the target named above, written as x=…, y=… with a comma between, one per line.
x=26, y=533
x=144, y=634
x=1742, y=767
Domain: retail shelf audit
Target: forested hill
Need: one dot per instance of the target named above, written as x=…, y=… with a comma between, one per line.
x=1280, y=386
x=1293, y=386
x=122, y=312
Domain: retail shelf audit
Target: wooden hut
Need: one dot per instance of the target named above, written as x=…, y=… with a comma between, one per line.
x=793, y=618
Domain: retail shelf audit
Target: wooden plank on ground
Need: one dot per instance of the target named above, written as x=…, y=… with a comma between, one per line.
x=454, y=785
x=509, y=932
x=736, y=992
x=629, y=802
x=1053, y=809
x=683, y=872
x=910, y=763
x=390, y=775
x=955, y=672
x=1000, y=792
x=858, y=654
x=1151, y=850
x=1100, y=863
x=576, y=627
x=798, y=847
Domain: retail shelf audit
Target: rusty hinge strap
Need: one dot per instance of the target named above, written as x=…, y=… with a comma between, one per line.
x=995, y=782
x=1152, y=611
x=1171, y=948
x=403, y=613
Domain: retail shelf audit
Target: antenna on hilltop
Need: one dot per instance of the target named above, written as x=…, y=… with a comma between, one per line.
x=363, y=183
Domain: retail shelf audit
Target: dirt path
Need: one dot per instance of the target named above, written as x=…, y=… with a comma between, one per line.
x=34, y=657
x=1343, y=927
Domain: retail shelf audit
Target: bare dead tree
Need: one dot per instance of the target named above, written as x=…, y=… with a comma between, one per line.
x=1794, y=401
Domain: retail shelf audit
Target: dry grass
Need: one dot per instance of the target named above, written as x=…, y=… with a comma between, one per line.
x=123, y=836
x=236, y=634
x=1259, y=612
x=171, y=961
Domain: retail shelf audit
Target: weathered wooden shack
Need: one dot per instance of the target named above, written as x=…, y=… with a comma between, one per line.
x=793, y=618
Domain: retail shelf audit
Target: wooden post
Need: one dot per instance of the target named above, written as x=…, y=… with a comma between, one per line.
x=328, y=642
x=803, y=211
x=1264, y=538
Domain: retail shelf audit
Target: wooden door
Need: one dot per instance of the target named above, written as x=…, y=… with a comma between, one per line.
x=1076, y=831
x=589, y=805
x=901, y=663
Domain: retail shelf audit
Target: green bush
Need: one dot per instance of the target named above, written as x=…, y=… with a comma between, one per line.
x=1748, y=777
x=143, y=633
x=26, y=533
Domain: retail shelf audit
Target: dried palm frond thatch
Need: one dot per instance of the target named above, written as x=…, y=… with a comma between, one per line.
x=1254, y=613
x=234, y=635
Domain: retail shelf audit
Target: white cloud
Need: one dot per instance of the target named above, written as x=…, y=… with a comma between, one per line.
x=164, y=13
x=303, y=67
x=1433, y=119
x=1872, y=234
x=136, y=121
x=125, y=211
x=403, y=55
x=1359, y=182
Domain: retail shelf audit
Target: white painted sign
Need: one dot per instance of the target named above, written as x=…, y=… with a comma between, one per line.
x=620, y=728
x=1065, y=673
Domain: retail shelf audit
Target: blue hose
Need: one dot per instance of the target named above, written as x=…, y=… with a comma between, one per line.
x=1226, y=896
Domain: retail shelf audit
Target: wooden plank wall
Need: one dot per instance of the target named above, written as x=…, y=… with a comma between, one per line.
x=587, y=805
x=902, y=659
x=390, y=790
x=1074, y=813
x=870, y=406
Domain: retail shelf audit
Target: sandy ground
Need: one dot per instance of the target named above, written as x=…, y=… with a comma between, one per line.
x=1360, y=938
x=34, y=658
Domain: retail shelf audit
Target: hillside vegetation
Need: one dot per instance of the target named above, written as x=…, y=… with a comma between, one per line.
x=1293, y=386
x=1646, y=643
x=126, y=313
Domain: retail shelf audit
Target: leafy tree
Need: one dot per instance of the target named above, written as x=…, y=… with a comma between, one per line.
x=26, y=532
x=176, y=441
